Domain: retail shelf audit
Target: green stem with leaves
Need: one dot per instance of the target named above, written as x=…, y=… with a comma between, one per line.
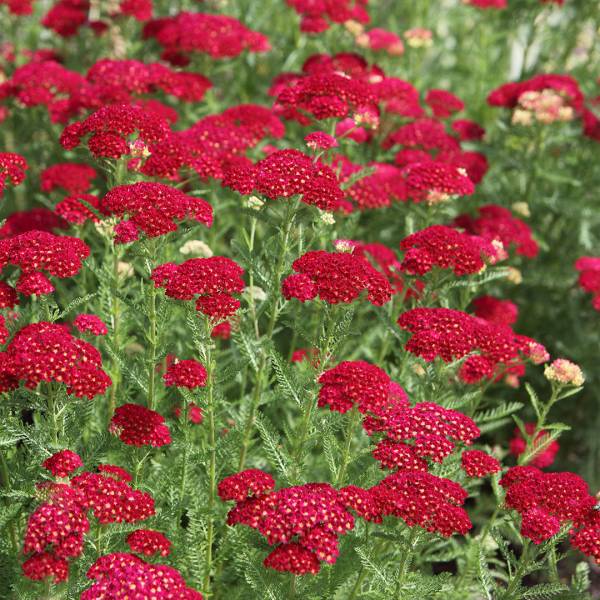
x=353, y=420
x=406, y=560
x=5, y=479
x=512, y=591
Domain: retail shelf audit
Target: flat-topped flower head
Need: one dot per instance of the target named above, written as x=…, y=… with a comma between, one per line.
x=476, y=463
x=137, y=425
x=63, y=463
x=154, y=208
x=213, y=280
x=48, y=352
x=73, y=178
x=336, y=277
x=245, y=484
x=149, y=542
x=187, y=373
x=90, y=324
x=112, y=127
x=434, y=182
x=12, y=169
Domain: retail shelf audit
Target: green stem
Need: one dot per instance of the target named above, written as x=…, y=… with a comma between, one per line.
x=115, y=317
x=515, y=581
x=353, y=420
x=183, y=470
x=5, y=478
x=406, y=560
x=52, y=412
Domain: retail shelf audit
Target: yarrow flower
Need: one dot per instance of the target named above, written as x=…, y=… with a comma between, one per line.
x=589, y=277
x=564, y=372
x=74, y=178
x=544, y=457
x=122, y=575
x=446, y=248
x=63, y=463
x=153, y=208
x=241, y=485
x=48, y=352
x=546, y=501
x=12, y=169
x=495, y=310
x=111, y=129
x=335, y=277
x=318, y=16
x=148, y=542
x=137, y=425
x=476, y=463
x=90, y=324
x=213, y=279
x=443, y=104
x=433, y=182
x=185, y=373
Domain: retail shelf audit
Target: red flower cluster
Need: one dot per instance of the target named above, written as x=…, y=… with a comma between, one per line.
x=12, y=168
x=34, y=219
x=317, y=15
x=434, y=181
x=111, y=127
x=90, y=324
x=148, y=542
x=139, y=426
x=335, y=277
x=476, y=463
x=219, y=36
x=546, y=500
x=543, y=459
x=443, y=104
x=48, y=352
x=589, y=277
x=446, y=248
x=452, y=334
x=213, y=279
x=354, y=383
x=185, y=373
x=303, y=521
x=122, y=575
x=384, y=259
x=495, y=310
x=286, y=173
x=153, y=209
x=63, y=463
x=74, y=178
x=19, y=7
x=35, y=251
x=497, y=223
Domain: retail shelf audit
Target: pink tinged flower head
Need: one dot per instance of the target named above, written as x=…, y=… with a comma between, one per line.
x=137, y=425
x=213, y=280
x=148, y=542
x=319, y=140
x=90, y=324
x=12, y=169
x=185, y=373
x=564, y=372
x=48, y=352
x=245, y=484
x=476, y=463
x=338, y=277
x=153, y=208
x=63, y=463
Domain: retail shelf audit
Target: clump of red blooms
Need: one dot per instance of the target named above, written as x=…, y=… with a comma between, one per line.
x=73, y=178
x=446, y=248
x=213, y=280
x=111, y=130
x=152, y=208
x=547, y=501
x=123, y=575
x=188, y=33
x=137, y=425
x=47, y=352
x=476, y=463
x=589, y=277
x=18, y=7
x=452, y=334
x=497, y=223
x=318, y=16
x=56, y=529
x=185, y=373
x=287, y=173
x=12, y=169
x=34, y=219
x=148, y=542
x=193, y=413
x=35, y=251
x=336, y=277
x=495, y=310
x=90, y=324
x=542, y=459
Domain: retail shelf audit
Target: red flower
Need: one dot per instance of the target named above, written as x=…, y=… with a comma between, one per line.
x=12, y=168
x=434, y=182
x=44, y=564
x=74, y=178
x=245, y=484
x=139, y=426
x=90, y=324
x=74, y=210
x=468, y=130
x=185, y=373
x=213, y=279
x=63, y=463
x=338, y=277
x=148, y=542
x=38, y=219
x=589, y=277
x=293, y=558
x=477, y=463
x=443, y=104
x=503, y=312
x=47, y=352
x=543, y=459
